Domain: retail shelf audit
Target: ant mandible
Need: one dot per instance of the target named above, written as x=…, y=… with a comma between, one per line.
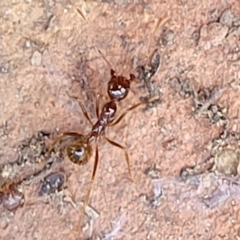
x=80, y=150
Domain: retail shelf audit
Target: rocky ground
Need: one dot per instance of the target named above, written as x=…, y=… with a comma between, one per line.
x=183, y=142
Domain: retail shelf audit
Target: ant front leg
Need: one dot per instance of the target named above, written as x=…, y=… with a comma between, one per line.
x=126, y=155
x=125, y=113
x=98, y=98
x=82, y=107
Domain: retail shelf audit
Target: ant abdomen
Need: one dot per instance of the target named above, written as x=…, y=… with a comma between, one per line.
x=79, y=152
x=119, y=86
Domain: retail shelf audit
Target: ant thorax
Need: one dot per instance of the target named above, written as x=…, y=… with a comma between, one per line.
x=106, y=116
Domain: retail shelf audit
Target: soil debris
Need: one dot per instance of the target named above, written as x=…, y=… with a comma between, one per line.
x=182, y=86
x=153, y=172
x=212, y=34
x=223, y=158
x=155, y=198
x=33, y=150
x=205, y=103
x=145, y=74
x=51, y=183
x=33, y=161
x=116, y=228
x=3, y=69
x=227, y=162
x=36, y=59
x=167, y=37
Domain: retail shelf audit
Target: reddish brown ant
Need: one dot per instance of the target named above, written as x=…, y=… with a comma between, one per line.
x=80, y=150
x=10, y=196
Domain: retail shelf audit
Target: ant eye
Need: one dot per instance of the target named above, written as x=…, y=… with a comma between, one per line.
x=79, y=153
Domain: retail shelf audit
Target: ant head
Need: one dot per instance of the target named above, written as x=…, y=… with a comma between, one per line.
x=119, y=86
x=80, y=151
x=10, y=196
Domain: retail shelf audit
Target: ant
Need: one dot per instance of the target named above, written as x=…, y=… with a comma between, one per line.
x=10, y=196
x=80, y=150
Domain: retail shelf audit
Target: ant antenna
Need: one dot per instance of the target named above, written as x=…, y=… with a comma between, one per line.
x=105, y=59
x=82, y=15
x=161, y=21
x=100, y=52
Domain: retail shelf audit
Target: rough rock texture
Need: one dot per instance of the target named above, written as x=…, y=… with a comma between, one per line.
x=49, y=47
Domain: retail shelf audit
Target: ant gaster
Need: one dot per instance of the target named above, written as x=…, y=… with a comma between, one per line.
x=80, y=150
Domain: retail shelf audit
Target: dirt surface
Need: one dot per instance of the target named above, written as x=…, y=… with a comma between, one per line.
x=183, y=143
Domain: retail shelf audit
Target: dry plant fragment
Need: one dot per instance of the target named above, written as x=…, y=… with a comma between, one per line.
x=204, y=98
x=116, y=228
x=167, y=37
x=216, y=114
x=205, y=101
x=155, y=199
x=145, y=73
x=153, y=172
x=198, y=169
x=90, y=212
x=182, y=87
x=4, y=130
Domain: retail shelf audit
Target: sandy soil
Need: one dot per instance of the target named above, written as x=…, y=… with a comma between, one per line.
x=48, y=48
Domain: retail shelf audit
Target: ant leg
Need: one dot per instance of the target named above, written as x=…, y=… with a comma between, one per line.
x=126, y=155
x=105, y=59
x=98, y=98
x=82, y=107
x=97, y=105
x=80, y=220
x=93, y=177
x=62, y=135
x=125, y=113
x=80, y=12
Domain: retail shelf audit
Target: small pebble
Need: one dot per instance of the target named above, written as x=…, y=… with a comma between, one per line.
x=36, y=59
x=52, y=183
x=3, y=69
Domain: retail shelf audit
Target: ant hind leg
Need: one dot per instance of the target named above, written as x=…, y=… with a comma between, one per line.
x=61, y=136
x=93, y=176
x=126, y=156
x=89, y=191
x=125, y=113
